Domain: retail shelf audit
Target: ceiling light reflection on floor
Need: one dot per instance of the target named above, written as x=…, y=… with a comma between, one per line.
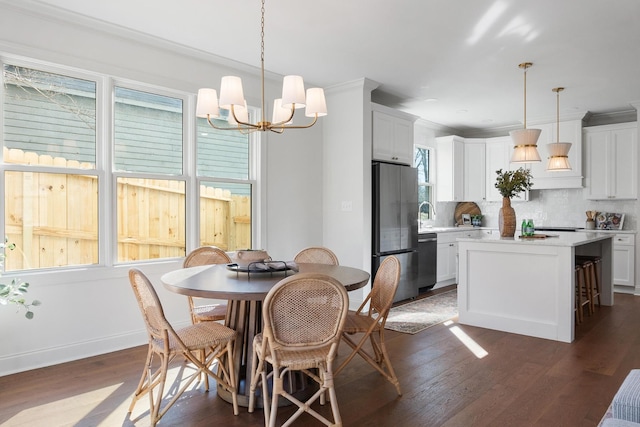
x=475, y=348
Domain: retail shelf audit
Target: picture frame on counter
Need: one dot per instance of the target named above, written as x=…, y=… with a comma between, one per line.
x=609, y=221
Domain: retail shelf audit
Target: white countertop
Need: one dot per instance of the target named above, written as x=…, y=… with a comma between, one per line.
x=567, y=238
x=450, y=229
x=447, y=229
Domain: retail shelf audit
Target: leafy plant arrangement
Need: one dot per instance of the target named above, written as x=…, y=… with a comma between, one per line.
x=511, y=183
x=13, y=293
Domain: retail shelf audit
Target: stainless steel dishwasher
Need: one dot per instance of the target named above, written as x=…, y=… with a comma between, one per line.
x=427, y=260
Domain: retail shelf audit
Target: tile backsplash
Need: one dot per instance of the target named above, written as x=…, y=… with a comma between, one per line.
x=559, y=208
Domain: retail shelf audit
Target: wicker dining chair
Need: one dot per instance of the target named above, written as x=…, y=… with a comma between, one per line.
x=206, y=255
x=303, y=316
x=317, y=255
x=370, y=322
x=210, y=338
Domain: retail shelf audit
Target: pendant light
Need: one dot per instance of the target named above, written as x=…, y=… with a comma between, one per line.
x=525, y=140
x=558, y=151
x=232, y=99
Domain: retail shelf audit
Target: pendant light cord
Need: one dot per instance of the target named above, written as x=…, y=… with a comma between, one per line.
x=262, y=57
x=525, y=66
x=557, y=90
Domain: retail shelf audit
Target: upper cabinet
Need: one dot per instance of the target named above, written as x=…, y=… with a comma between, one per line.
x=474, y=169
x=570, y=131
x=611, y=161
x=392, y=135
x=450, y=169
x=466, y=168
x=497, y=155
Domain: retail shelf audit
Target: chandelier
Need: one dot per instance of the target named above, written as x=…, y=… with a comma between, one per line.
x=525, y=140
x=558, y=151
x=232, y=99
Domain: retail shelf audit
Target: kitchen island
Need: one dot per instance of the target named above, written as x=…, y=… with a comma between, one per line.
x=527, y=286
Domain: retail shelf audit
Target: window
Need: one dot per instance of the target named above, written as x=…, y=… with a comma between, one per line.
x=61, y=194
x=151, y=205
x=223, y=169
x=49, y=169
x=422, y=162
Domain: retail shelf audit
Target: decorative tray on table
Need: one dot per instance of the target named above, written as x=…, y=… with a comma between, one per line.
x=264, y=267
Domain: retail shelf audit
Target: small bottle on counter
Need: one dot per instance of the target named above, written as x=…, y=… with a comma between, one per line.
x=529, y=229
x=523, y=228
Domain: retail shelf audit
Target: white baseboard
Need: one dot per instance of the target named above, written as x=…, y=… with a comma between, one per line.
x=55, y=355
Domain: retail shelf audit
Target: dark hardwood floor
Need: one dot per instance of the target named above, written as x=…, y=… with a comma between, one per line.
x=522, y=381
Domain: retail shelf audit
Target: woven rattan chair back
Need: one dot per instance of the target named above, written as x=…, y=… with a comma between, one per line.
x=385, y=285
x=206, y=255
x=150, y=306
x=317, y=255
x=305, y=310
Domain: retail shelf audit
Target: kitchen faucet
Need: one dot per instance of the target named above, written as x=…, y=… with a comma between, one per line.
x=433, y=208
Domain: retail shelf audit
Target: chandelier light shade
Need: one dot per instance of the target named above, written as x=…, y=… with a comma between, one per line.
x=525, y=141
x=558, y=151
x=232, y=99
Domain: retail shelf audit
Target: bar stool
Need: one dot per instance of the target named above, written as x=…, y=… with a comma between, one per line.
x=593, y=273
x=582, y=293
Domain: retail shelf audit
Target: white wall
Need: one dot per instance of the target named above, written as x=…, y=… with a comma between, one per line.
x=92, y=311
x=347, y=177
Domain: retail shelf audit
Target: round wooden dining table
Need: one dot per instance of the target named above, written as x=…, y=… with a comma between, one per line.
x=245, y=293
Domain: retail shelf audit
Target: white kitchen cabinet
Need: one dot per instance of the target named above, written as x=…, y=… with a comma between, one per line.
x=498, y=152
x=570, y=131
x=392, y=135
x=611, y=161
x=474, y=170
x=624, y=254
x=447, y=255
x=450, y=169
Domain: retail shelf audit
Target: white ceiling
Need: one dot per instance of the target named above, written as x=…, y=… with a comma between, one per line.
x=463, y=53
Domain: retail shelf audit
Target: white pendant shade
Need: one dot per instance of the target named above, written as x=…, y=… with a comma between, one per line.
x=231, y=92
x=293, y=92
x=525, y=145
x=559, y=151
x=559, y=156
x=316, y=103
x=280, y=114
x=207, y=103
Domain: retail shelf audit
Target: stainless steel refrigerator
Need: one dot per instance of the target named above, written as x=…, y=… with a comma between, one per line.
x=395, y=222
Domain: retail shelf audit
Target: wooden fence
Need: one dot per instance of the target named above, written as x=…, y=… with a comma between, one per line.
x=53, y=217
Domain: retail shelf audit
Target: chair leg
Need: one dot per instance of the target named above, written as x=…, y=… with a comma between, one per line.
x=266, y=404
x=154, y=407
x=596, y=284
x=255, y=371
x=232, y=377
x=589, y=276
x=140, y=390
x=276, y=389
x=391, y=374
x=380, y=352
x=203, y=359
x=578, y=295
x=329, y=384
